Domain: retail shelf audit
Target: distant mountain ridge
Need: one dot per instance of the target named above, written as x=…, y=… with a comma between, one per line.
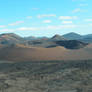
x=75, y=36
x=16, y=48
x=72, y=36
x=69, y=36
x=69, y=41
x=58, y=37
x=13, y=38
x=10, y=38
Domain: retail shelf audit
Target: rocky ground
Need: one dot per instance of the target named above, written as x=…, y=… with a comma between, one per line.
x=46, y=76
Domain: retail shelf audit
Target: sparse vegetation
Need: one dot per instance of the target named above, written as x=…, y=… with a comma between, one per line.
x=46, y=76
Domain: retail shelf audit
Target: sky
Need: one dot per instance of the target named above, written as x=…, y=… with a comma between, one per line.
x=45, y=17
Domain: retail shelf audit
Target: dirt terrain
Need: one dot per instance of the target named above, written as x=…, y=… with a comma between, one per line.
x=46, y=76
x=24, y=53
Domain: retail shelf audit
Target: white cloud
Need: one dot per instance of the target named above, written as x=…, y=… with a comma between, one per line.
x=76, y=10
x=16, y=23
x=27, y=29
x=2, y=26
x=58, y=27
x=74, y=0
x=47, y=21
x=35, y=8
x=90, y=24
x=29, y=17
x=50, y=28
x=7, y=30
x=46, y=15
x=88, y=20
x=67, y=17
x=80, y=0
x=67, y=22
x=83, y=5
x=79, y=10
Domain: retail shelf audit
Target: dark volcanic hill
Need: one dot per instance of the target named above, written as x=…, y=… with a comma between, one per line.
x=58, y=40
x=87, y=38
x=75, y=36
x=72, y=36
x=71, y=44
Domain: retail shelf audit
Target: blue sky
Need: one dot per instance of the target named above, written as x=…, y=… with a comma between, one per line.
x=45, y=17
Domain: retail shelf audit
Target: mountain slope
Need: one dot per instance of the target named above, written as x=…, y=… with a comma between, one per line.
x=87, y=38
x=10, y=38
x=43, y=54
x=57, y=38
x=72, y=36
x=71, y=44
